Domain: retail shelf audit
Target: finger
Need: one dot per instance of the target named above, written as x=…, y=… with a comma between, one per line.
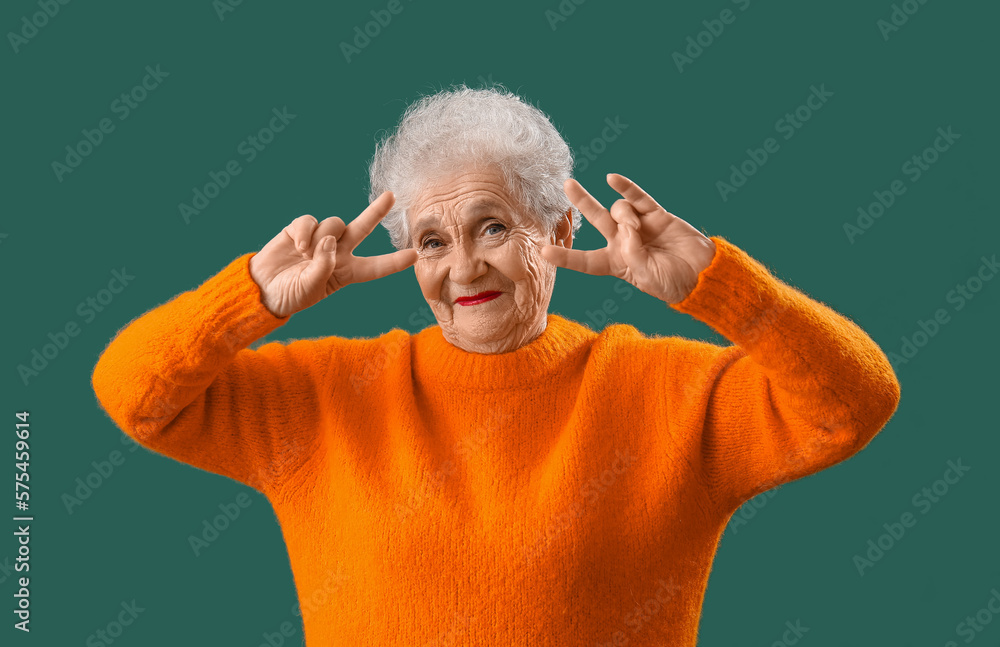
x=642, y=201
x=363, y=225
x=624, y=213
x=323, y=262
x=332, y=226
x=632, y=252
x=594, y=261
x=588, y=205
x=300, y=231
x=369, y=268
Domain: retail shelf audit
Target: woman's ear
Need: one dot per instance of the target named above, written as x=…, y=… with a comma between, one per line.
x=563, y=233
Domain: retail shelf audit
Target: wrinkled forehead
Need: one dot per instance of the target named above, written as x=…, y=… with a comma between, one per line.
x=448, y=190
x=464, y=207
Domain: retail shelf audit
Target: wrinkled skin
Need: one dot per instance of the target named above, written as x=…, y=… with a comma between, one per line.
x=462, y=251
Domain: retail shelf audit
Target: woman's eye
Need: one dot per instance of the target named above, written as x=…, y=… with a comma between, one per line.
x=427, y=244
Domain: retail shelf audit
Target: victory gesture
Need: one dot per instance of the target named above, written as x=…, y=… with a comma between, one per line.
x=310, y=260
x=649, y=247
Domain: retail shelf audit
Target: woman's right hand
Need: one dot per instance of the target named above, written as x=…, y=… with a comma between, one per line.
x=310, y=260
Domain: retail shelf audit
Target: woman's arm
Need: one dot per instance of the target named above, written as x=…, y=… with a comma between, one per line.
x=180, y=381
x=802, y=389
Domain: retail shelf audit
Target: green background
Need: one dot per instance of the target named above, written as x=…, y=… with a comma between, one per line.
x=793, y=559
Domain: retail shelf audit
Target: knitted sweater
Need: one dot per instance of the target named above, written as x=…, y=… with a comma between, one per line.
x=570, y=492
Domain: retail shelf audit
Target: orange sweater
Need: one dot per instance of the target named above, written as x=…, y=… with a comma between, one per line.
x=571, y=492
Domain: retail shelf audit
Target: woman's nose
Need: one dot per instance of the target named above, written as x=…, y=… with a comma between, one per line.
x=466, y=263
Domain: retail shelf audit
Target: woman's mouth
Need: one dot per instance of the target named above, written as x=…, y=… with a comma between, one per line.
x=482, y=297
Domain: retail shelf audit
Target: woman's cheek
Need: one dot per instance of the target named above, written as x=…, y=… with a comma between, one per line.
x=425, y=270
x=537, y=268
x=534, y=278
x=519, y=260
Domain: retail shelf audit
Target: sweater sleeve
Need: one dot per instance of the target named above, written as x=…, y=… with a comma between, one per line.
x=180, y=380
x=801, y=389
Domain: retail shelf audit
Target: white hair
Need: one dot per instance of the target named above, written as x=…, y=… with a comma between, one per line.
x=452, y=130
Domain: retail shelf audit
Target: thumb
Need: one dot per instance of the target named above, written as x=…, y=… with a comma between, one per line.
x=323, y=262
x=632, y=251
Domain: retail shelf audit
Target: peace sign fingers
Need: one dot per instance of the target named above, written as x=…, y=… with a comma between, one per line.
x=593, y=261
x=592, y=210
x=359, y=228
x=643, y=203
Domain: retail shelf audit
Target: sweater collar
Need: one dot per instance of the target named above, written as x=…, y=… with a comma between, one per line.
x=563, y=344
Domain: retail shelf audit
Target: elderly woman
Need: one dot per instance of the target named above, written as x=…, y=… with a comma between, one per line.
x=507, y=476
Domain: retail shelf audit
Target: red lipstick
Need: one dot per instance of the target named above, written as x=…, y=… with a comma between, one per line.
x=475, y=299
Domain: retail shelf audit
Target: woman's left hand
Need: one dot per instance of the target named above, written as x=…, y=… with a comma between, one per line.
x=652, y=249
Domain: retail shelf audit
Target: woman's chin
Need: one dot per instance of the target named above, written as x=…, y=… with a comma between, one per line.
x=480, y=328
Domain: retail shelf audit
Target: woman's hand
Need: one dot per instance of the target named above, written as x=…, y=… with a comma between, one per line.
x=309, y=260
x=650, y=248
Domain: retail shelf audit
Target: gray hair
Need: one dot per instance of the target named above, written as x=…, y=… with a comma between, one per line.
x=454, y=129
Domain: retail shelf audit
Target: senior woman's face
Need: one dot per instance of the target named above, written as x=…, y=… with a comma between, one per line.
x=473, y=238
